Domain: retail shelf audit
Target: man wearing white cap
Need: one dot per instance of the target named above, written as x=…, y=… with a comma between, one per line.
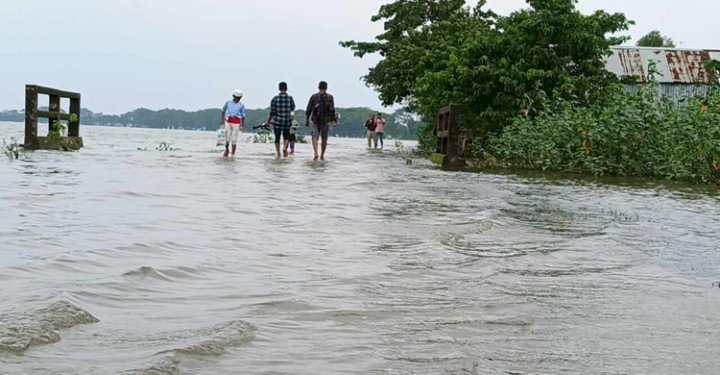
x=233, y=121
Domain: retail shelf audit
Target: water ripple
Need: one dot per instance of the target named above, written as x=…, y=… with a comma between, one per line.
x=359, y=265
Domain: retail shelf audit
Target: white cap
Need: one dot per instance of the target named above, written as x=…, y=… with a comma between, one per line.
x=238, y=93
x=292, y=114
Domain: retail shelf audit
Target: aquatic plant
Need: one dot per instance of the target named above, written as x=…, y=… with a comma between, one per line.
x=300, y=138
x=12, y=149
x=165, y=146
x=57, y=131
x=263, y=136
x=404, y=152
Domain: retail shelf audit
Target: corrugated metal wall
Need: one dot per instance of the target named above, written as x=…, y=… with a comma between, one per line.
x=672, y=65
x=678, y=92
x=681, y=73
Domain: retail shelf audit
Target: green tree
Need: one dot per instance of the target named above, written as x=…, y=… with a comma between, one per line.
x=438, y=52
x=713, y=66
x=655, y=39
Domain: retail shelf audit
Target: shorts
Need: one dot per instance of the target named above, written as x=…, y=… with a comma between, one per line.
x=321, y=131
x=293, y=137
x=284, y=132
x=232, y=131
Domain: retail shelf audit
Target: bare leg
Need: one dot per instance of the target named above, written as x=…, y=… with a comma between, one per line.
x=324, y=147
x=315, y=148
x=285, y=147
x=234, y=148
x=277, y=150
x=227, y=149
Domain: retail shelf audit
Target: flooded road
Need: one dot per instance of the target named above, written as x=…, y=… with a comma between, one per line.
x=121, y=260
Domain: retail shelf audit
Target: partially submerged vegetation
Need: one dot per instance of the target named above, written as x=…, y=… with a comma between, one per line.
x=623, y=134
x=162, y=146
x=266, y=136
x=11, y=149
x=57, y=138
x=263, y=136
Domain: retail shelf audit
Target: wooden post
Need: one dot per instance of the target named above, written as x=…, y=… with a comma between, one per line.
x=74, y=126
x=31, y=129
x=54, y=106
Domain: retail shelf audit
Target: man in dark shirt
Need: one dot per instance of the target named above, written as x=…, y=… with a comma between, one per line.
x=321, y=108
x=280, y=108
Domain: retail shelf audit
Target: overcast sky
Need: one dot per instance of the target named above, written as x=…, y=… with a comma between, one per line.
x=191, y=54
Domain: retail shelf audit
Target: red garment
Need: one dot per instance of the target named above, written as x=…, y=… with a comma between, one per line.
x=235, y=120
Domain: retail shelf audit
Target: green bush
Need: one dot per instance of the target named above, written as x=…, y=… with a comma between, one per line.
x=57, y=131
x=624, y=134
x=427, y=141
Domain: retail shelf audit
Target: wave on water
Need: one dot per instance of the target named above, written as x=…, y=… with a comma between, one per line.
x=219, y=338
x=166, y=274
x=165, y=366
x=147, y=273
x=41, y=326
x=216, y=340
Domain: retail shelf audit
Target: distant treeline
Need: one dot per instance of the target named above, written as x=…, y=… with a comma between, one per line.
x=400, y=124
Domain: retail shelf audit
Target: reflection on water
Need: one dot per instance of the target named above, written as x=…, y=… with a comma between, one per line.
x=116, y=260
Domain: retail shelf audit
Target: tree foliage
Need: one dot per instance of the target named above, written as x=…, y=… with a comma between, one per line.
x=438, y=52
x=655, y=39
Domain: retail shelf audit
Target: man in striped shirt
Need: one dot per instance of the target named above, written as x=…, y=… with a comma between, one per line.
x=281, y=107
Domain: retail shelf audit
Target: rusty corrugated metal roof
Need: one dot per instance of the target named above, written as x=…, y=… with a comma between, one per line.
x=673, y=65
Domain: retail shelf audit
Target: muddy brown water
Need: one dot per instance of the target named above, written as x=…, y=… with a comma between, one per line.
x=115, y=260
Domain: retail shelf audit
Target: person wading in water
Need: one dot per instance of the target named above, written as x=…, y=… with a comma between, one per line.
x=294, y=126
x=379, y=130
x=281, y=107
x=370, y=125
x=233, y=121
x=321, y=107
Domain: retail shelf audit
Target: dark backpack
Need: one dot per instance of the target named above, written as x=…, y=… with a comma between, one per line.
x=370, y=124
x=321, y=111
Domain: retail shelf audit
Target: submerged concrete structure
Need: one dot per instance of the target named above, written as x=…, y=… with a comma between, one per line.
x=33, y=141
x=452, y=138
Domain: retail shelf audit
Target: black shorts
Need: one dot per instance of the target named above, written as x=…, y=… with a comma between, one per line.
x=284, y=132
x=293, y=138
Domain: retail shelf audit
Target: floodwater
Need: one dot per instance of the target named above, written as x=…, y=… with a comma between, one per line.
x=122, y=259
